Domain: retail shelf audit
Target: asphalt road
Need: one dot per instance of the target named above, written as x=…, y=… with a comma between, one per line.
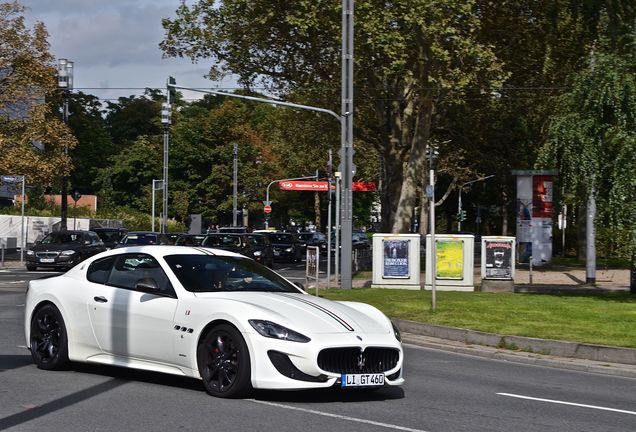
x=443, y=392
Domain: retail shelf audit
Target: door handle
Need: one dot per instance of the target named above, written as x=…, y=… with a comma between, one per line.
x=100, y=299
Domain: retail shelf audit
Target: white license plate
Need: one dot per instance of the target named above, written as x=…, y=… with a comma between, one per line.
x=362, y=380
x=47, y=260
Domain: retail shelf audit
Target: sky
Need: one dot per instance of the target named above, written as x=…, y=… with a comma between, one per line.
x=115, y=45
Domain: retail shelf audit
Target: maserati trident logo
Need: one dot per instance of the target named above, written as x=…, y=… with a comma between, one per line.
x=361, y=361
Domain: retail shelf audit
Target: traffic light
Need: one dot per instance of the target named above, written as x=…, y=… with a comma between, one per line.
x=461, y=216
x=172, y=92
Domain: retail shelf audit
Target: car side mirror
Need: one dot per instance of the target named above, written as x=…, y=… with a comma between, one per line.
x=147, y=285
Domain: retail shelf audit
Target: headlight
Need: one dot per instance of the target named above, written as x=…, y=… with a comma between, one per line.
x=30, y=253
x=396, y=332
x=257, y=253
x=275, y=331
x=67, y=252
x=288, y=250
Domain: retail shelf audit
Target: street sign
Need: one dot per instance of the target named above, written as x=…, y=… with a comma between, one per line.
x=267, y=209
x=76, y=195
x=267, y=203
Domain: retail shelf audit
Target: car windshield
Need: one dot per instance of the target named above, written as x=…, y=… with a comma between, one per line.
x=210, y=273
x=222, y=240
x=62, y=238
x=281, y=238
x=257, y=240
x=113, y=236
x=140, y=239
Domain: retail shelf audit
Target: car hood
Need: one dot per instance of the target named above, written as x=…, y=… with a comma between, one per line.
x=307, y=314
x=55, y=247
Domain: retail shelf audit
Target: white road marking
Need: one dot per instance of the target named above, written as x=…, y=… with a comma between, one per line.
x=568, y=403
x=337, y=416
x=22, y=346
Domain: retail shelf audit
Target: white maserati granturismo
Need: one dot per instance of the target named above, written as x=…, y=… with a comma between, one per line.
x=208, y=314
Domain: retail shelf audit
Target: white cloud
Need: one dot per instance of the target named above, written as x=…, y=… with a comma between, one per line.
x=115, y=43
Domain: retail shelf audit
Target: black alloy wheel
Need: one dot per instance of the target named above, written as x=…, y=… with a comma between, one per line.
x=49, y=341
x=224, y=363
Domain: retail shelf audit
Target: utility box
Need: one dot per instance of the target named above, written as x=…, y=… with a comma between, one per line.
x=498, y=263
x=454, y=262
x=396, y=261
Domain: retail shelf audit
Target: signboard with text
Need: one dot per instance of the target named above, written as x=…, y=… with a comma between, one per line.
x=322, y=186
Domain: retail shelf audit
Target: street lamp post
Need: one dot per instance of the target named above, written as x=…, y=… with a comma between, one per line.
x=65, y=83
x=268, y=202
x=156, y=185
x=430, y=192
x=166, y=120
x=459, y=200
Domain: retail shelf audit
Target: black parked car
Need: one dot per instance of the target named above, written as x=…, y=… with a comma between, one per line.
x=286, y=246
x=313, y=239
x=63, y=249
x=262, y=250
x=189, y=240
x=110, y=236
x=232, y=242
x=139, y=238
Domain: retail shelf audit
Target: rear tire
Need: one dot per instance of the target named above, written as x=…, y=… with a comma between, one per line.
x=224, y=363
x=48, y=339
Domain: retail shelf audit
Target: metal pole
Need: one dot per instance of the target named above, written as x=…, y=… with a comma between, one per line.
x=153, y=207
x=590, y=247
x=347, y=141
x=459, y=211
x=235, y=185
x=433, y=244
x=64, y=186
x=329, y=178
x=338, y=228
x=166, y=147
x=22, y=239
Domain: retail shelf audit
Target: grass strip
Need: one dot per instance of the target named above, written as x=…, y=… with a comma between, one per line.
x=596, y=318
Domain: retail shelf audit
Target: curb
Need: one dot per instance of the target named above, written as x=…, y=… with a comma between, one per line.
x=569, y=355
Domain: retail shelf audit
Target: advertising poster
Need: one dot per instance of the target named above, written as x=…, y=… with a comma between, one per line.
x=498, y=259
x=396, y=259
x=542, y=196
x=450, y=259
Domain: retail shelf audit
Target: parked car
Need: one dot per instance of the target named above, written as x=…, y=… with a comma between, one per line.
x=134, y=238
x=245, y=327
x=169, y=238
x=313, y=239
x=232, y=242
x=262, y=250
x=359, y=241
x=189, y=240
x=286, y=246
x=63, y=249
x=110, y=236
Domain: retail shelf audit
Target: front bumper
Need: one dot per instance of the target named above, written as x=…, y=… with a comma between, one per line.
x=285, y=365
x=59, y=261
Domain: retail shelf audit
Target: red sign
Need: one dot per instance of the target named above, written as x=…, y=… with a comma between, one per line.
x=322, y=186
x=267, y=209
x=542, y=196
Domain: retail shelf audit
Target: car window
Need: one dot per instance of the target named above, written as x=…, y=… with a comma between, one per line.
x=281, y=238
x=94, y=238
x=99, y=270
x=62, y=238
x=212, y=273
x=130, y=269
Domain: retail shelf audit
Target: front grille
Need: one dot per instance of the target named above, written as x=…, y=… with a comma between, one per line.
x=355, y=360
x=47, y=254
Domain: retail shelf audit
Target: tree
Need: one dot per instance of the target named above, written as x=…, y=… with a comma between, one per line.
x=27, y=79
x=412, y=57
x=592, y=138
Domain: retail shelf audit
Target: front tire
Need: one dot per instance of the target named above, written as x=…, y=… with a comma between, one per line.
x=49, y=340
x=224, y=362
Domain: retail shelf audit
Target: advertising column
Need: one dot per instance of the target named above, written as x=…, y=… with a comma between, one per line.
x=534, y=215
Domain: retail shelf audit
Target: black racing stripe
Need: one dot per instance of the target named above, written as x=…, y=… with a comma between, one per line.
x=320, y=308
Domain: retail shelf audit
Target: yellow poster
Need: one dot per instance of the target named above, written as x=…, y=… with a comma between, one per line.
x=450, y=259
